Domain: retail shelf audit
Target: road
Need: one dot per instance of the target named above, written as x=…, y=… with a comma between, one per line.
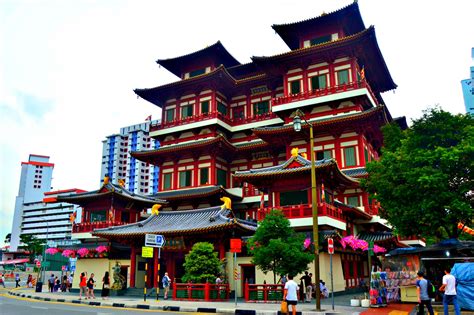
x=10, y=305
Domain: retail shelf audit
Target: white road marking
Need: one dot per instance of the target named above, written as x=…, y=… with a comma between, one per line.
x=39, y=307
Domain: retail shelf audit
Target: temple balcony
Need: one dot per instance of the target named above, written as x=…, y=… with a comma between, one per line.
x=88, y=227
x=202, y=120
x=302, y=215
x=328, y=94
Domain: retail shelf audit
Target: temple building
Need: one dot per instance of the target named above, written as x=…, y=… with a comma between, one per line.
x=227, y=131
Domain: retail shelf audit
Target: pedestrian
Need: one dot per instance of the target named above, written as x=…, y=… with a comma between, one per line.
x=301, y=294
x=51, y=283
x=323, y=290
x=449, y=289
x=69, y=281
x=308, y=286
x=283, y=280
x=90, y=286
x=422, y=292
x=29, y=281
x=290, y=294
x=105, y=286
x=2, y=280
x=64, y=284
x=57, y=284
x=166, y=285
x=17, y=280
x=83, y=286
x=218, y=286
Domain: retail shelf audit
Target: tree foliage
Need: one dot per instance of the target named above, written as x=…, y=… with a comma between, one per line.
x=276, y=247
x=201, y=264
x=31, y=244
x=424, y=178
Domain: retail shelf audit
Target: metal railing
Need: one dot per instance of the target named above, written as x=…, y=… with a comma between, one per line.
x=263, y=293
x=304, y=211
x=201, y=292
x=90, y=226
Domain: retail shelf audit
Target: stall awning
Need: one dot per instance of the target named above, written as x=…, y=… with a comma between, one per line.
x=14, y=261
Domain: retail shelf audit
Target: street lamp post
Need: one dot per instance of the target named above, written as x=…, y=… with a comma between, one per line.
x=297, y=127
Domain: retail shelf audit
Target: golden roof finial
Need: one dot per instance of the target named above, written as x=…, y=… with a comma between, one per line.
x=227, y=203
x=304, y=155
x=155, y=210
x=106, y=180
x=121, y=182
x=294, y=152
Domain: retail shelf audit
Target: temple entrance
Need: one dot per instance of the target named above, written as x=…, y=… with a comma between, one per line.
x=124, y=274
x=248, y=276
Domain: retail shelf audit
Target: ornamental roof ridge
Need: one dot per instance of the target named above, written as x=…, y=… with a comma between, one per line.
x=193, y=191
x=366, y=32
x=354, y=4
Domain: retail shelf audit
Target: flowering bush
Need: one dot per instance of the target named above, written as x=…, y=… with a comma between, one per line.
x=102, y=249
x=52, y=251
x=379, y=249
x=69, y=253
x=83, y=252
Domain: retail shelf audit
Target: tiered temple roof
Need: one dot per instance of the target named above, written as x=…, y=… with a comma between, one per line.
x=178, y=223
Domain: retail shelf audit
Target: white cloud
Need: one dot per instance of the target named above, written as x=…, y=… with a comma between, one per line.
x=84, y=58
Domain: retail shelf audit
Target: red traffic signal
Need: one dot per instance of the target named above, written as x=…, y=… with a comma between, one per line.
x=330, y=246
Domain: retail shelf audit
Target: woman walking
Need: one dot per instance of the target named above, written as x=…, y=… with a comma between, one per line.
x=83, y=286
x=90, y=286
x=105, y=286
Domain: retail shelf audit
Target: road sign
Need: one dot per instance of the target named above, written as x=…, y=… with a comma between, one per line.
x=147, y=252
x=38, y=263
x=153, y=240
x=235, y=245
x=330, y=246
x=63, y=268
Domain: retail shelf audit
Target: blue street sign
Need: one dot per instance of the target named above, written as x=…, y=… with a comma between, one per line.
x=153, y=240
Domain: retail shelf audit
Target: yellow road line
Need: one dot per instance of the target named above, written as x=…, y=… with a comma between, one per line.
x=95, y=306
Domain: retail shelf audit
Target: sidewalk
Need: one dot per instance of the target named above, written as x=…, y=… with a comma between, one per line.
x=193, y=306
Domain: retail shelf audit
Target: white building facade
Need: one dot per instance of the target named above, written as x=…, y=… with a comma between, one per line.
x=140, y=178
x=468, y=89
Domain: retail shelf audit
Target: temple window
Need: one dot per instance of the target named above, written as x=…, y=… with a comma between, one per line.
x=295, y=87
x=125, y=217
x=260, y=108
x=204, y=107
x=366, y=155
x=187, y=111
x=204, y=176
x=221, y=178
x=222, y=108
x=185, y=178
x=353, y=201
x=349, y=156
x=319, y=82
x=296, y=197
x=167, y=181
x=98, y=216
x=321, y=155
x=170, y=115
x=320, y=40
x=197, y=72
x=238, y=112
x=343, y=77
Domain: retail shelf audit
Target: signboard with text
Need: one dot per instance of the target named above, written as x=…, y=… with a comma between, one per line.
x=154, y=240
x=147, y=252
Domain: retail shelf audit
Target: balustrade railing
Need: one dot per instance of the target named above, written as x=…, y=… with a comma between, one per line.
x=304, y=211
x=266, y=293
x=201, y=291
x=90, y=226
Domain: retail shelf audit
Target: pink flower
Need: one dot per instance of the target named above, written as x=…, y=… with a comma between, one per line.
x=82, y=252
x=102, y=249
x=379, y=249
x=69, y=253
x=307, y=242
x=52, y=251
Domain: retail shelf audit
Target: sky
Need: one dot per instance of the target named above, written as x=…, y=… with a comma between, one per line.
x=68, y=68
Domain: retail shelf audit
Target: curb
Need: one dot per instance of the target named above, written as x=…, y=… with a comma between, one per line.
x=167, y=307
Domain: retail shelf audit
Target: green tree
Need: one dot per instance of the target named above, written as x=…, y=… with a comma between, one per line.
x=31, y=244
x=276, y=247
x=424, y=178
x=201, y=264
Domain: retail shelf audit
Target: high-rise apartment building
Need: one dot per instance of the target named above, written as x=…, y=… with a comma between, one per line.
x=139, y=177
x=46, y=221
x=468, y=89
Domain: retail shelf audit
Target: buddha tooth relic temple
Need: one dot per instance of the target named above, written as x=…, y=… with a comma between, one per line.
x=227, y=131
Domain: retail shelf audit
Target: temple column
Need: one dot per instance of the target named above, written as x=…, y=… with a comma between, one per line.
x=156, y=268
x=221, y=249
x=133, y=265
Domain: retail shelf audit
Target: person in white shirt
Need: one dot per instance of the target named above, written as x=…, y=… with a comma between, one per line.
x=290, y=293
x=449, y=288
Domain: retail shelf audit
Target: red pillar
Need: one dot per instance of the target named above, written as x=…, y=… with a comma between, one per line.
x=133, y=265
x=155, y=268
x=221, y=250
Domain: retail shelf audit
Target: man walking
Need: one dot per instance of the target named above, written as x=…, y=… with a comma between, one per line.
x=51, y=283
x=166, y=285
x=290, y=294
x=449, y=288
x=308, y=286
x=423, y=297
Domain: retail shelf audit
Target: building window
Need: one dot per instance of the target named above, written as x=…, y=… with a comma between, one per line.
x=319, y=82
x=238, y=112
x=98, y=216
x=170, y=115
x=320, y=40
x=321, y=155
x=366, y=155
x=221, y=108
x=204, y=176
x=353, y=201
x=343, y=77
x=221, y=178
x=260, y=108
x=295, y=87
x=298, y=197
x=185, y=178
x=167, y=181
x=349, y=156
x=204, y=107
x=197, y=72
x=187, y=111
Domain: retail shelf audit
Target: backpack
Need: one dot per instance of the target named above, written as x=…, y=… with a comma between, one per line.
x=165, y=281
x=431, y=289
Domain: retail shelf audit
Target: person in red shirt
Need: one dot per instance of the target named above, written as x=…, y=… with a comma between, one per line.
x=83, y=286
